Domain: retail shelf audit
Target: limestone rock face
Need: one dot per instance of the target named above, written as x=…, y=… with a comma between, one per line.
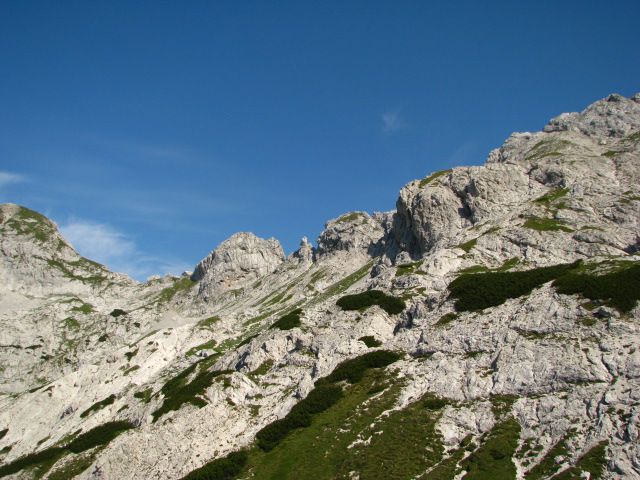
x=240, y=259
x=354, y=232
x=77, y=352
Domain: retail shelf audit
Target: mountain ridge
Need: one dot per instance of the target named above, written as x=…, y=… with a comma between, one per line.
x=526, y=360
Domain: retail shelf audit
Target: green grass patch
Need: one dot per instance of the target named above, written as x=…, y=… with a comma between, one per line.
x=593, y=462
x=85, y=308
x=390, y=304
x=427, y=180
x=350, y=217
x=446, y=319
x=30, y=223
x=552, y=196
x=318, y=400
x=493, y=459
x=288, y=321
x=546, y=225
x=478, y=291
x=548, y=465
x=619, y=289
x=370, y=341
x=342, y=285
x=408, y=268
x=71, y=323
x=98, y=406
x=547, y=148
x=181, y=285
x=468, y=246
x=208, y=323
x=324, y=395
x=225, y=468
x=144, y=395
x=263, y=369
x=210, y=345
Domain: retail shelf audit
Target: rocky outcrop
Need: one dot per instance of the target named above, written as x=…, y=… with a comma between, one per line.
x=237, y=261
x=354, y=233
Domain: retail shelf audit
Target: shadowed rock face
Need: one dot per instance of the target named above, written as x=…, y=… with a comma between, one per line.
x=239, y=260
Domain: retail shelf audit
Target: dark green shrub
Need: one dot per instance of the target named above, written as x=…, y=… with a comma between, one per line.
x=3, y=433
x=97, y=436
x=225, y=468
x=288, y=321
x=319, y=399
x=48, y=455
x=100, y=435
x=620, y=289
x=98, y=405
x=178, y=391
x=103, y=337
x=388, y=303
x=370, y=341
x=476, y=291
x=117, y=313
x=353, y=370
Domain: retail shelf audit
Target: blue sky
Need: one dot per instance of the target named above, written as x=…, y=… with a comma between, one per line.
x=152, y=131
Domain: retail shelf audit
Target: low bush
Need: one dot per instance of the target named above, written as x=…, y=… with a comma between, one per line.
x=224, y=468
x=352, y=370
x=370, y=341
x=620, y=289
x=100, y=435
x=391, y=305
x=288, y=321
x=117, y=312
x=476, y=291
x=98, y=406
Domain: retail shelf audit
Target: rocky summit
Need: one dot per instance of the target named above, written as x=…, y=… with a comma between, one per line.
x=488, y=328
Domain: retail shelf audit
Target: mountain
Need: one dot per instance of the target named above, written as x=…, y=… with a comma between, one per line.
x=489, y=327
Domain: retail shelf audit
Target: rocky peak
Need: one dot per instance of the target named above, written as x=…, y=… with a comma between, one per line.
x=35, y=258
x=240, y=259
x=353, y=232
x=304, y=254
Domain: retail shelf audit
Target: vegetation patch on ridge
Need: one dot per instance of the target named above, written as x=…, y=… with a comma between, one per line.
x=43, y=460
x=98, y=406
x=288, y=321
x=476, y=291
x=427, y=180
x=390, y=304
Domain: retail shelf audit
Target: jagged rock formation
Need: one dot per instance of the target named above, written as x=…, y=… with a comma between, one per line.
x=238, y=260
x=504, y=367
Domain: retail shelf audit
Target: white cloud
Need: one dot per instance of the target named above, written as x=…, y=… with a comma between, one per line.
x=7, y=178
x=392, y=122
x=105, y=244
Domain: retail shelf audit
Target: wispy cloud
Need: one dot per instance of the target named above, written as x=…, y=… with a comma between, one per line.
x=7, y=178
x=392, y=122
x=107, y=245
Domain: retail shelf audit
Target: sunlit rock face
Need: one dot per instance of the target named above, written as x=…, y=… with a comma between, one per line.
x=199, y=364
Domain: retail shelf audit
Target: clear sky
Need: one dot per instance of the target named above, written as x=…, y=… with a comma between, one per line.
x=151, y=131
